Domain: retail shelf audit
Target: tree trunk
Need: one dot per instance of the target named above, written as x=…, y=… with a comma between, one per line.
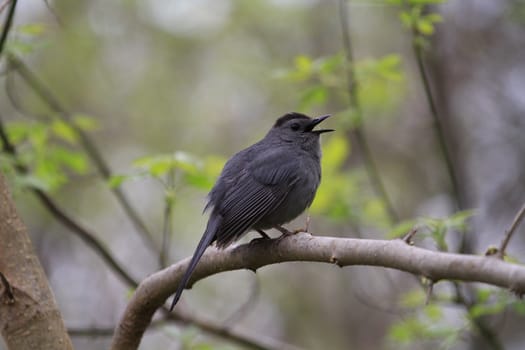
x=29, y=317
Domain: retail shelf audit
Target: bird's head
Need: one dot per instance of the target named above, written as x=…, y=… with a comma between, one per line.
x=299, y=129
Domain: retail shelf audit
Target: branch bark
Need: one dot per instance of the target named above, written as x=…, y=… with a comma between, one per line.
x=155, y=289
x=28, y=311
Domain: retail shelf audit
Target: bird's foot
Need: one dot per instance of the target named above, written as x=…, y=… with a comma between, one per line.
x=264, y=237
x=285, y=231
x=306, y=225
x=263, y=234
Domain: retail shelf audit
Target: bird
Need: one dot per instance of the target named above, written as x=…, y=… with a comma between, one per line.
x=264, y=186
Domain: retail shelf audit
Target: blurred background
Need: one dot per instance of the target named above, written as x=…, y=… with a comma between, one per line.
x=167, y=90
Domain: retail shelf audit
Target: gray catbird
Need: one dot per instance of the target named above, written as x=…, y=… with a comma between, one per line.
x=263, y=186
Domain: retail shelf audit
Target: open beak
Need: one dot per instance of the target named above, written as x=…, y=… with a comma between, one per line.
x=316, y=121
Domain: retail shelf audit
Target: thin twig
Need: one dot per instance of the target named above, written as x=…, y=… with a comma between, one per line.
x=7, y=25
x=408, y=237
x=436, y=120
x=88, y=237
x=53, y=12
x=47, y=96
x=14, y=98
x=370, y=165
x=167, y=228
x=508, y=234
x=430, y=289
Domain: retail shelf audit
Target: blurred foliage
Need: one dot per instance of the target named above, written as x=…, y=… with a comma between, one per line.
x=415, y=17
x=48, y=151
x=344, y=194
x=322, y=82
x=187, y=168
x=437, y=229
x=430, y=324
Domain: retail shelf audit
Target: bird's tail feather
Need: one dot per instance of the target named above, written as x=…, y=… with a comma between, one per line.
x=208, y=237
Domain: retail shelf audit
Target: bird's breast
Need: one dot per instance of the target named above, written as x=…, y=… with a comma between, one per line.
x=299, y=197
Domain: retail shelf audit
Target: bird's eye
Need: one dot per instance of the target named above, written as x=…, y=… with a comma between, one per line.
x=295, y=126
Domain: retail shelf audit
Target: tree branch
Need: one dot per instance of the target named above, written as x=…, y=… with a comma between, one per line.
x=92, y=151
x=370, y=165
x=155, y=289
x=7, y=25
x=437, y=124
x=515, y=223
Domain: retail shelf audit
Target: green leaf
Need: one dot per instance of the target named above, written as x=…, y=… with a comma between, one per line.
x=406, y=331
x=199, y=180
x=38, y=135
x=160, y=165
x=479, y=310
x=156, y=165
x=425, y=27
x=313, y=96
x=213, y=165
x=400, y=229
x=433, y=312
x=74, y=160
x=330, y=64
x=49, y=174
x=459, y=220
x=388, y=67
x=303, y=67
x=434, y=18
x=33, y=29
x=413, y=298
x=85, y=122
x=64, y=131
x=18, y=131
x=20, y=47
x=406, y=19
x=116, y=180
x=483, y=295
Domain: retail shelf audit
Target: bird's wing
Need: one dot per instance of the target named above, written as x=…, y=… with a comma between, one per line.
x=259, y=188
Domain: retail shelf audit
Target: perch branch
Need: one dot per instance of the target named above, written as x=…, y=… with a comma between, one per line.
x=155, y=289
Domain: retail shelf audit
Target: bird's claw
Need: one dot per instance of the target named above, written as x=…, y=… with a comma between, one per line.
x=259, y=240
x=286, y=232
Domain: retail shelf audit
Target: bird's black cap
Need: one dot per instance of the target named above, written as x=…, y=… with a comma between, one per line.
x=289, y=116
x=311, y=125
